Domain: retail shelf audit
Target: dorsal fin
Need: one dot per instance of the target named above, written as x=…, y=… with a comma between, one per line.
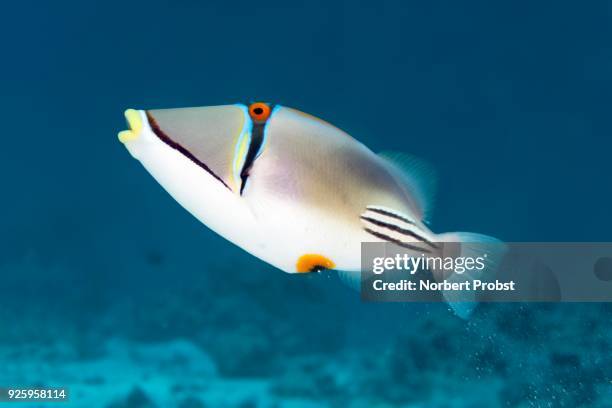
x=418, y=175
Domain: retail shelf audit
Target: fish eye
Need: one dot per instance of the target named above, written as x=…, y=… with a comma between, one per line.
x=259, y=111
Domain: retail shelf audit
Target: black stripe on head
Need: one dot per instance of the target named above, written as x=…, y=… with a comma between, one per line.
x=257, y=138
x=167, y=140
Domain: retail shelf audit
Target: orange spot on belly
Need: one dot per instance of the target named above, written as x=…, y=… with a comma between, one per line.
x=311, y=262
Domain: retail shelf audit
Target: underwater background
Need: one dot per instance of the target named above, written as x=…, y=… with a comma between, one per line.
x=109, y=288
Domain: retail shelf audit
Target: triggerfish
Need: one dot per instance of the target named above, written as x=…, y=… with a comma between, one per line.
x=287, y=187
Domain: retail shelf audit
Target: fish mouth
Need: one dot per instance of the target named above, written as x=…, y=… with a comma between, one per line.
x=134, y=122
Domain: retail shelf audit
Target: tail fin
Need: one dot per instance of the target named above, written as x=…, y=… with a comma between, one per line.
x=470, y=245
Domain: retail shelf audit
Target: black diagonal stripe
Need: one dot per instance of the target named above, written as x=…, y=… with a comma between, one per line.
x=390, y=214
x=396, y=241
x=400, y=230
x=257, y=136
x=257, y=139
x=167, y=140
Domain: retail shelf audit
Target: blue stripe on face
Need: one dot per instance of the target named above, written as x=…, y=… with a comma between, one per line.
x=265, y=131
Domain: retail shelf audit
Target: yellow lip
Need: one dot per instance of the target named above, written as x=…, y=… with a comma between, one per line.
x=134, y=122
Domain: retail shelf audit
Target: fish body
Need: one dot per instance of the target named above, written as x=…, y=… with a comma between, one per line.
x=289, y=188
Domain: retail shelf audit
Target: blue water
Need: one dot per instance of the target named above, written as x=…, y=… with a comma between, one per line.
x=510, y=101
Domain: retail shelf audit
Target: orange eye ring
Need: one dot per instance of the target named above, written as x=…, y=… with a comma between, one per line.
x=259, y=111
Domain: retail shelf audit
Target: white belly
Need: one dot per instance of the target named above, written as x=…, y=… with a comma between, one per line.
x=291, y=231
